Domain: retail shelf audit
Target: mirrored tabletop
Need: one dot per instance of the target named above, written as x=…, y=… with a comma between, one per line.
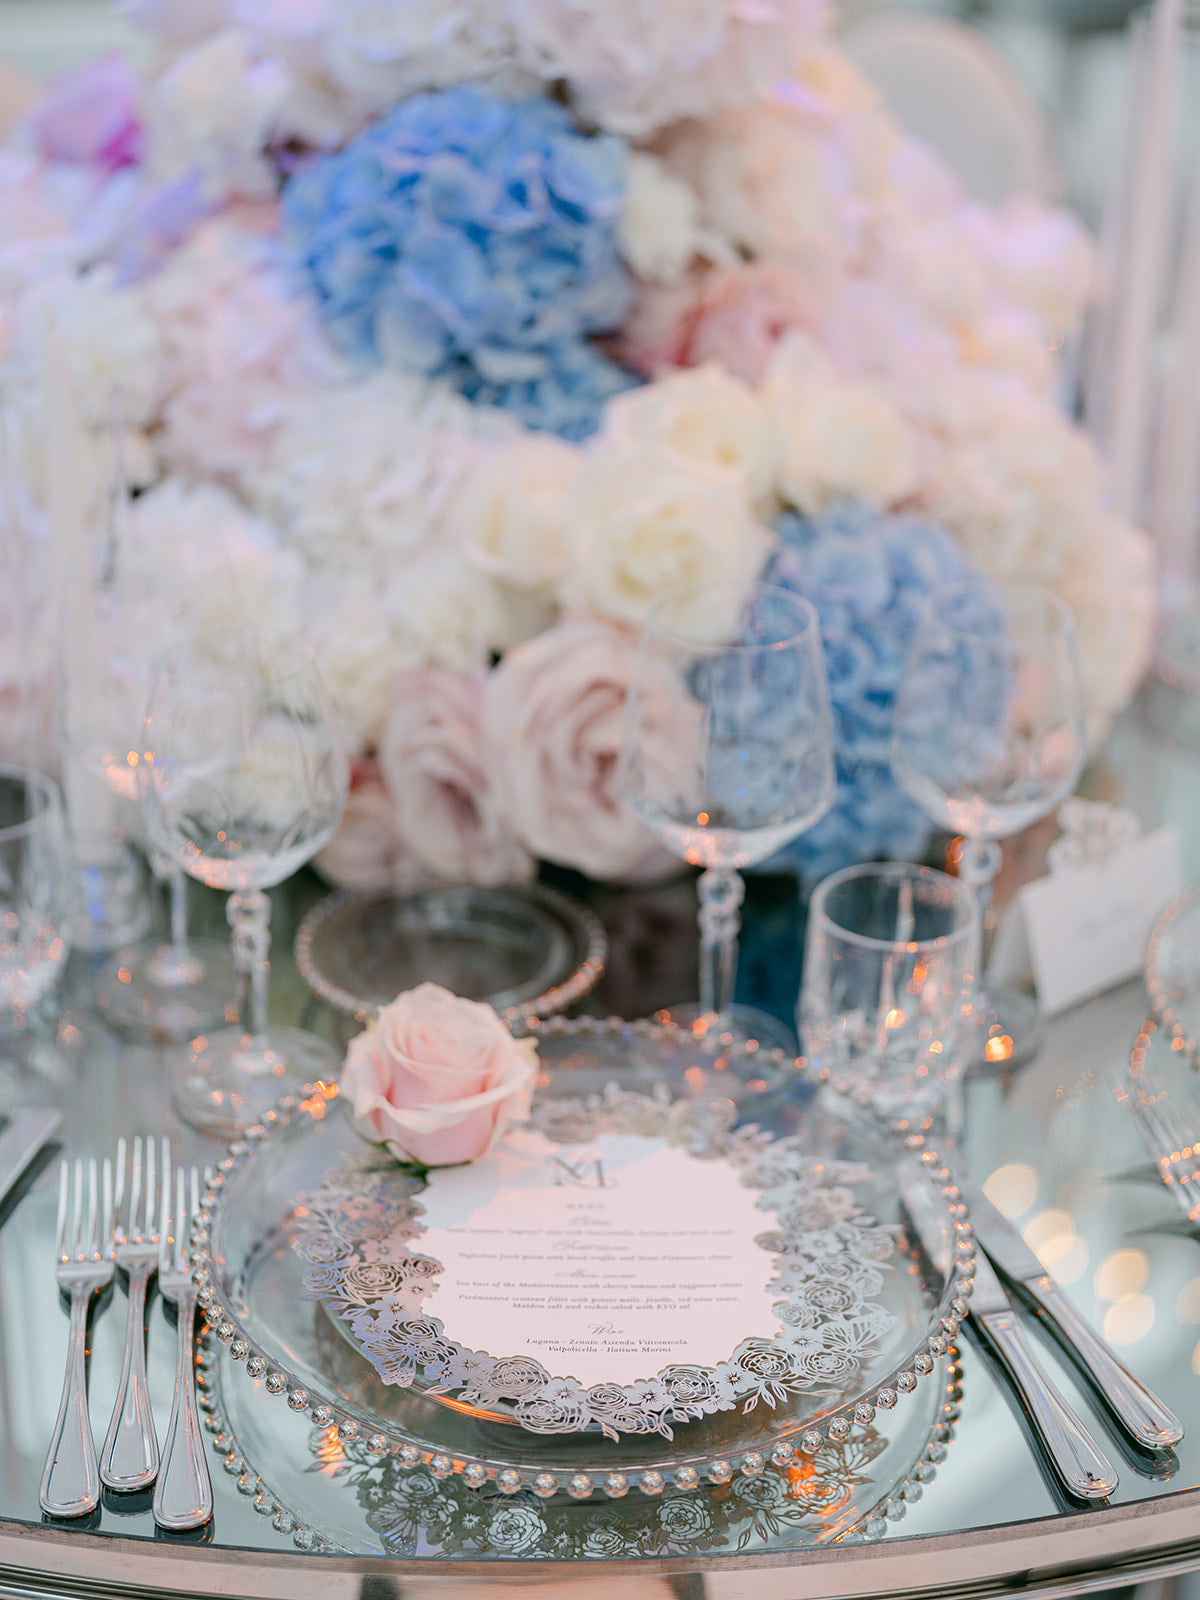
x=290, y=1517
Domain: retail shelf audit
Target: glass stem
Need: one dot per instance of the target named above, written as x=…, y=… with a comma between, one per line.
x=177, y=887
x=721, y=890
x=978, y=866
x=250, y=918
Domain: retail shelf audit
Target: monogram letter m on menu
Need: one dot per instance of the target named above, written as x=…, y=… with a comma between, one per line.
x=585, y=1171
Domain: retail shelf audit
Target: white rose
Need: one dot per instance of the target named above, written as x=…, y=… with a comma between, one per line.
x=642, y=520
x=659, y=227
x=836, y=438
x=705, y=414
x=507, y=510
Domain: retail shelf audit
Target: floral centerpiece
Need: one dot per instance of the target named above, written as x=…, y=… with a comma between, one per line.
x=458, y=332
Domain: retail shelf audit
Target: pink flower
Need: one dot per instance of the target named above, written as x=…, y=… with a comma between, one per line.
x=432, y=756
x=736, y=315
x=553, y=710
x=744, y=314
x=367, y=852
x=438, y=1079
x=90, y=116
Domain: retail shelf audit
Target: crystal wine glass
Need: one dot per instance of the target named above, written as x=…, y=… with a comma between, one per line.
x=989, y=735
x=169, y=990
x=244, y=777
x=728, y=755
x=37, y=892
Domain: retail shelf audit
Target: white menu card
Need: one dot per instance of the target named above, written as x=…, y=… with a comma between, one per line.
x=605, y=1261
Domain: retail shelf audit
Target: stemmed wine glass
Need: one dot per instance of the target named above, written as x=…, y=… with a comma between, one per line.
x=989, y=735
x=728, y=755
x=244, y=776
x=169, y=990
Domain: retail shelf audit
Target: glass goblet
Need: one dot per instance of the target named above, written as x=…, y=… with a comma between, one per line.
x=244, y=780
x=989, y=735
x=38, y=896
x=170, y=990
x=890, y=959
x=727, y=755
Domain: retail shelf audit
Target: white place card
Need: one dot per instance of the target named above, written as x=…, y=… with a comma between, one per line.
x=1084, y=928
x=606, y=1261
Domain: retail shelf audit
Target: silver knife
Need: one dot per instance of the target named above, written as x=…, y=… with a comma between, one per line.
x=1139, y=1411
x=20, y=1143
x=1085, y=1470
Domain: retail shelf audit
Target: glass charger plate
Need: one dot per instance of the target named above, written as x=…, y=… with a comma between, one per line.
x=527, y=950
x=337, y=1497
x=1173, y=969
x=252, y=1280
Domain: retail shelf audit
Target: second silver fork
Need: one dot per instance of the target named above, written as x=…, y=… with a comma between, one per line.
x=129, y=1459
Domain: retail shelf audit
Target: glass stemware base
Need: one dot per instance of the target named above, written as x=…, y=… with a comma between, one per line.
x=1008, y=1031
x=732, y=1029
x=229, y=1080
x=160, y=992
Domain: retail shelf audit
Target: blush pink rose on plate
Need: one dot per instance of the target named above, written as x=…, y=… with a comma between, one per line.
x=438, y=1079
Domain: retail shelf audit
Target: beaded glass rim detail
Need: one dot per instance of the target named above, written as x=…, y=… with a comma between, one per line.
x=583, y=923
x=947, y=1315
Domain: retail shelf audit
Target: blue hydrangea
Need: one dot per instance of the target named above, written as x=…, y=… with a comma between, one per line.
x=465, y=237
x=868, y=576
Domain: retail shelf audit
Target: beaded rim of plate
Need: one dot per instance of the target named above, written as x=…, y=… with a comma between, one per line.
x=1156, y=984
x=947, y=1316
x=869, y=1528
x=559, y=997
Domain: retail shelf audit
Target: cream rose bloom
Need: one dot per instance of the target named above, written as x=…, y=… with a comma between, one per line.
x=438, y=1079
x=706, y=415
x=659, y=228
x=836, y=437
x=507, y=512
x=553, y=710
x=433, y=758
x=642, y=520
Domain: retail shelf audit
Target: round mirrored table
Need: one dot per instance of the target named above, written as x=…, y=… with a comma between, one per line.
x=1052, y=1134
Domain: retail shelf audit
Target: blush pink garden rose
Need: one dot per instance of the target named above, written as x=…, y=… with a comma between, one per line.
x=438, y=1079
x=366, y=852
x=554, y=712
x=433, y=759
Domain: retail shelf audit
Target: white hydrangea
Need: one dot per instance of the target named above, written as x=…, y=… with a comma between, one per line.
x=242, y=351
x=379, y=51
x=360, y=475
x=210, y=111
x=635, y=66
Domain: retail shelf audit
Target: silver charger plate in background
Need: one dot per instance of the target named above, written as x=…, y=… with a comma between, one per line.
x=527, y=950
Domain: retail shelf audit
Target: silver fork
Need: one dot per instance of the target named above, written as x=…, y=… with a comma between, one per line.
x=183, y=1493
x=70, y=1481
x=1176, y=1149
x=129, y=1459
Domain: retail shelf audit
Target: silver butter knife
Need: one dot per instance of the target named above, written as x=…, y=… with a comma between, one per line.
x=1086, y=1472
x=20, y=1143
x=1139, y=1411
